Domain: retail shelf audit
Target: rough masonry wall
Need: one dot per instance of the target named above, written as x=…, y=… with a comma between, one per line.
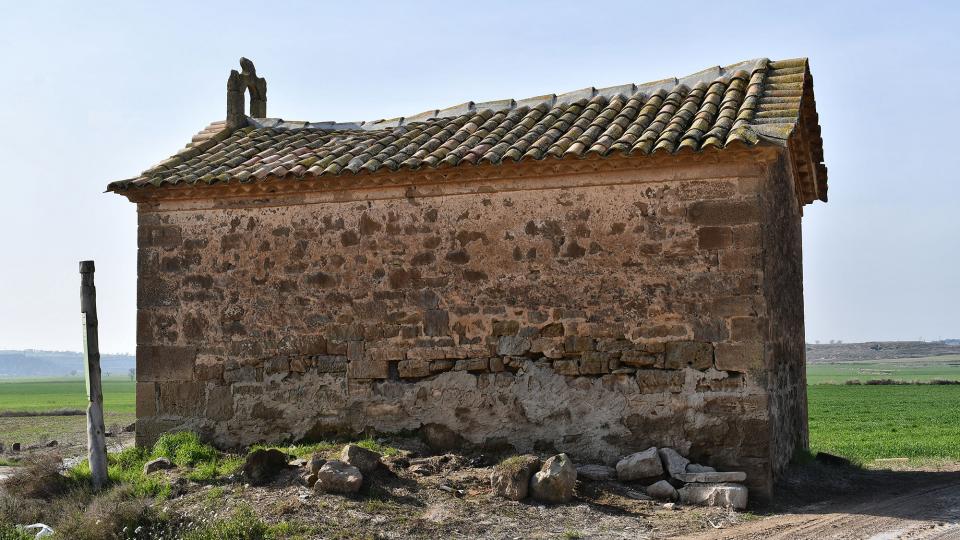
x=785, y=354
x=596, y=320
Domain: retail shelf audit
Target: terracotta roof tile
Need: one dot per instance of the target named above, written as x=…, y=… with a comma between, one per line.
x=753, y=102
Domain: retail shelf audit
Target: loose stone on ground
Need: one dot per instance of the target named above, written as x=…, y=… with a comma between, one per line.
x=338, y=477
x=640, y=465
x=511, y=479
x=555, y=481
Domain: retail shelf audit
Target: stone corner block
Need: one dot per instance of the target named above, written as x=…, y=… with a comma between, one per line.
x=740, y=357
x=163, y=363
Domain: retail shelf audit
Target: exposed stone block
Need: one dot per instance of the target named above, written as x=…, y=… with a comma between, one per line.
x=331, y=364
x=146, y=399
x=496, y=364
x=734, y=306
x=566, y=367
x=552, y=330
x=385, y=353
x=740, y=357
x=640, y=359
x=549, y=347
x=655, y=381
x=276, y=365
x=436, y=322
x=437, y=366
x=219, y=403
x=577, y=344
x=513, y=346
x=414, y=368
x=240, y=374
x=694, y=354
x=739, y=259
x=368, y=369
x=505, y=328
x=712, y=238
x=747, y=329
x=298, y=365
x=180, y=398
x=159, y=363
x=472, y=365
x=354, y=350
x=208, y=367
x=594, y=363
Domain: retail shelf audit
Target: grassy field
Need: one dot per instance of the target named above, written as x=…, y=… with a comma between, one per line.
x=904, y=369
x=864, y=423
x=119, y=394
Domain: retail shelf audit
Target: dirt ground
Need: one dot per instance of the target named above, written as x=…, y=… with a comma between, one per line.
x=814, y=501
x=826, y=502
x=418, y=495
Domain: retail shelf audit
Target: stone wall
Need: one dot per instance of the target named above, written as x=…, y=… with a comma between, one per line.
x=596, y=319
x=785, y=342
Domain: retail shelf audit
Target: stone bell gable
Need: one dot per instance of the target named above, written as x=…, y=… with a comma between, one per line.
x=593, y=273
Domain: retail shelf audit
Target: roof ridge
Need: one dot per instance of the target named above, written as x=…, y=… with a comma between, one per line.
x=703, y=76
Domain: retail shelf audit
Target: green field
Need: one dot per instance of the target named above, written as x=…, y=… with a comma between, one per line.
x=119, y=394
x=903, y=369
x=864, y=423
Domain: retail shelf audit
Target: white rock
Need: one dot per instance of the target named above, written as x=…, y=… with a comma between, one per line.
x=662, y=490
x=338, y=477
x=640, y=465
x=597, y=473
x=696, y=467
x=555, y=481
x=673, y=462
x=726, y=495
x=711, y=477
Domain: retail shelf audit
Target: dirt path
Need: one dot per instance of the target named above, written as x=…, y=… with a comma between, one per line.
x=926, y=513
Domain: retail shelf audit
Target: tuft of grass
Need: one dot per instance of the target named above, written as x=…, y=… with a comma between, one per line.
x=185, y=449
x=572, y=535
x=514, y=464
x=331, y=448
x=372, y=444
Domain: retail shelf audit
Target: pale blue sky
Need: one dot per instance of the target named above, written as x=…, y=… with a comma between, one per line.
x=91, y=93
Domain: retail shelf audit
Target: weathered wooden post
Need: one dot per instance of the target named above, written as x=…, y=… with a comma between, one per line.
x=96, y=440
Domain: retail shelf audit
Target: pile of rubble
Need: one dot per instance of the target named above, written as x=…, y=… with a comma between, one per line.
x=668, y=475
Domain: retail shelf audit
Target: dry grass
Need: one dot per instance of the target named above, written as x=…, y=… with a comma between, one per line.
x=38, y=477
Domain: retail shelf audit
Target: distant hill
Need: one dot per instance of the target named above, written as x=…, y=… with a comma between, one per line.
x=32, y=363
x=879, y=350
